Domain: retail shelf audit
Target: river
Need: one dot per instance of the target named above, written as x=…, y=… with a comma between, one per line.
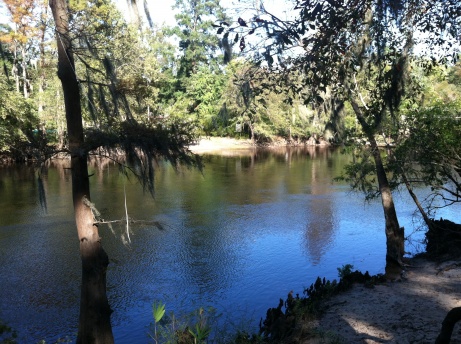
x=251, y=227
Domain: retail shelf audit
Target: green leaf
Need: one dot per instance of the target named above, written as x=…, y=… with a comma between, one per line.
x=158, y=310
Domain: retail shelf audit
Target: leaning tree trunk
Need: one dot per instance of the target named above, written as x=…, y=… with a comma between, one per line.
x=94, y=320
x=426, y=218
x=394, y=233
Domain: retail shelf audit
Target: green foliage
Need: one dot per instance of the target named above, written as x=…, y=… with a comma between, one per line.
x=158, y=310
x=345, y=271
x=429, y=153
x=17, y=123
x=280, y=321
x=205, y=89
x=118, y=69
x=196, y=85
x=201, y=329
x=246, y=338
x=360, y=173
x=195, y=327
x=264, y=112
x=7, y=334
x=195, y=30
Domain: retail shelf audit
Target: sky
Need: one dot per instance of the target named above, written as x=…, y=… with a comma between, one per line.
x=3, y=13
x=160, y=10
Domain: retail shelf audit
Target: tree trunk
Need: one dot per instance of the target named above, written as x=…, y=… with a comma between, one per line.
x=252, y=132
x=25, y=81
x=426, y=218
x=134, y=12
x=41, y=71
x=394, y=233
x=15, y=69
x=94, y=320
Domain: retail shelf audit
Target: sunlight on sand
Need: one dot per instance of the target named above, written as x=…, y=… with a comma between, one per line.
x=367, y=330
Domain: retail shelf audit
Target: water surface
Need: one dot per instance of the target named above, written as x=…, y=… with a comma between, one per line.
x=237, y=236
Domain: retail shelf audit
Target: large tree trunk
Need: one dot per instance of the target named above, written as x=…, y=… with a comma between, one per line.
x=394, y=233
x=94, y=321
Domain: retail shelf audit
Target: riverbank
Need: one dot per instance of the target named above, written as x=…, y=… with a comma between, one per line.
x=216, y=144
x=220, y=144
x=409, y=309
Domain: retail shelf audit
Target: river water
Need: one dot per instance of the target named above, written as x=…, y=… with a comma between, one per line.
x=248, y=229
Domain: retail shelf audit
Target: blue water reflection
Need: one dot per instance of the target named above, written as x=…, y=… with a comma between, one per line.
x=239, y=236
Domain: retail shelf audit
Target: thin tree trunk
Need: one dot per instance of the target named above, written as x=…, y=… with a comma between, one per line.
x=15, y=69
x=4, y=60
x=94, y=320
x=252, y=132
x=394, y=233
x=41, y=64
x=25, y=81
x=426, y=218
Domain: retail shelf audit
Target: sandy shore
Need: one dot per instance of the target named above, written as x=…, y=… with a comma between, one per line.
x=408, y=310
x=216, y=144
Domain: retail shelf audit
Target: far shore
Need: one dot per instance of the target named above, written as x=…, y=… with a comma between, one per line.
x=212, y=144
x=216, y=144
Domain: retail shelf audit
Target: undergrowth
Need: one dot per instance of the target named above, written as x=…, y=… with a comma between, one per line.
x=280, y=323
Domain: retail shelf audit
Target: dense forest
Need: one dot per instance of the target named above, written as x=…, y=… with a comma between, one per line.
x=190, y=72
x=128, y=69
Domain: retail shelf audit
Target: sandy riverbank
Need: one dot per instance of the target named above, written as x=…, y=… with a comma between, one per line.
x=215, y=144
x=408, y=310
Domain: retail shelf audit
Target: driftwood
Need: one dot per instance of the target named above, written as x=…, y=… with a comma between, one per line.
x=448, y=325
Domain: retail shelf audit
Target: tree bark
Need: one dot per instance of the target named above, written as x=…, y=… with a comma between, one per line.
x=25, y=81
x=41, y=65
x=94, y=320
x=394, y=233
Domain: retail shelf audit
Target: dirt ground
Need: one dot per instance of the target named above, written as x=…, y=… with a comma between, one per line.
x=407, y=310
